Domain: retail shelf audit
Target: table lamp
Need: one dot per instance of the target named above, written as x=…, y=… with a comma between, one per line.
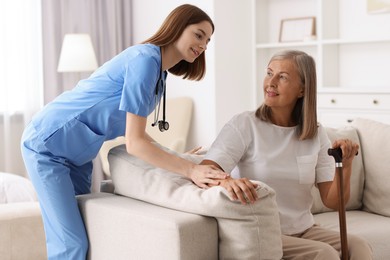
x=77, y=54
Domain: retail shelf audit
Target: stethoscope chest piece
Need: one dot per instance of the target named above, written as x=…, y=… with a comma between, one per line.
x=163, y=125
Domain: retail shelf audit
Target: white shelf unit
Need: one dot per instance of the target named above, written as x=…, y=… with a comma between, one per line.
x=351, y=49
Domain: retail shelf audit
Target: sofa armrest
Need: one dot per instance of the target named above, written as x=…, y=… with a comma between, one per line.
x=124, y=228
x=21, y=231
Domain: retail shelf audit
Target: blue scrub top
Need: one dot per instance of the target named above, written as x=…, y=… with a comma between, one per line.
x=76, y=123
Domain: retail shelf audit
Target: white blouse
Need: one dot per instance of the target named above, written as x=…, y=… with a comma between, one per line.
x=274, y=155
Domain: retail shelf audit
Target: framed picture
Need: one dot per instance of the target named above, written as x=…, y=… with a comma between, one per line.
x=378, y=6
x=297, y=29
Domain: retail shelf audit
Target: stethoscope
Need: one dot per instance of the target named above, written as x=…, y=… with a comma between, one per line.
x=162, y=124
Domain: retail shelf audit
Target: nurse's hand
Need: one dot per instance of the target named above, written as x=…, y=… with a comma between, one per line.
x=241, y=189
x=207, y=175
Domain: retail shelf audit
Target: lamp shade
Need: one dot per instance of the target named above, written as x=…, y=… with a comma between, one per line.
x=77, y=54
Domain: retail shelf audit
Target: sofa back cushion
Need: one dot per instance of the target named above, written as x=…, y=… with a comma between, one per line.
x=357, y=178
x=374, y=138
x=245, y=231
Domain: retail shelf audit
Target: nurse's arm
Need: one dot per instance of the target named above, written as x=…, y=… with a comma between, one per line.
x=139, y=145
x=149, y=137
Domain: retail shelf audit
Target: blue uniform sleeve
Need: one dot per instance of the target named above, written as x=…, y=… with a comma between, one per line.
x=138, y=95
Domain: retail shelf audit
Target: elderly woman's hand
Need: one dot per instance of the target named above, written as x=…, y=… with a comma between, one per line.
x=349, y=150
x=240, y=189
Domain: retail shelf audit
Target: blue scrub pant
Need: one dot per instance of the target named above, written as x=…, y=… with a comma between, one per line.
x=57, y=182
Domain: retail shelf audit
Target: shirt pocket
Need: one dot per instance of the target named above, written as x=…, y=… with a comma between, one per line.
x=76, y=142
x=307, y=168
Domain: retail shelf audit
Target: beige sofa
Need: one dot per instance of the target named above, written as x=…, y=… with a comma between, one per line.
x=120, y=227
x=147, y=227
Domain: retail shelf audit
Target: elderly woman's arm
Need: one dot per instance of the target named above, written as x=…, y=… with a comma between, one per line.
x=329, y=190
x=240, y=189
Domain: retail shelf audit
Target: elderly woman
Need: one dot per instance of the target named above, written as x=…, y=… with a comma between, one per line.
x=282, y=145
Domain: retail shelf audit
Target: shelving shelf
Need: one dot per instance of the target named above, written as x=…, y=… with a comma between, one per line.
x=355, y=41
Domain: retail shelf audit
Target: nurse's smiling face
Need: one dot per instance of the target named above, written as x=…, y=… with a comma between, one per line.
x=193, y=41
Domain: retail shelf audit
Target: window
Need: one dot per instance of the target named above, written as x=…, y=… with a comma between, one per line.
x=21, y=80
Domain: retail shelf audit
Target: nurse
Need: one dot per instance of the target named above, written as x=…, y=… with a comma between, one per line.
x=58, y=146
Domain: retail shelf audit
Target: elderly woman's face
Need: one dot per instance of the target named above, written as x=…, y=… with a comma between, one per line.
x=282, y=84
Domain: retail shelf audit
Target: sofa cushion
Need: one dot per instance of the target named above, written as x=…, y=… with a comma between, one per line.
x=245, y=231
x=357, y=178
x=374, y=137
x=373, y=228
x=15, y=188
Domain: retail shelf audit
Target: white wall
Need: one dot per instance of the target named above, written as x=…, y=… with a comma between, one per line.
x=225, y=90
x=233, y=59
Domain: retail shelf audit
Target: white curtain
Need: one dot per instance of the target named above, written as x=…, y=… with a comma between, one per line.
x=21, y=80
x=28, y=75
x=107, y=21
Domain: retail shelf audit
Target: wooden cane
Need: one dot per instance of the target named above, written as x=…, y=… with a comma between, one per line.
x=337, y=154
